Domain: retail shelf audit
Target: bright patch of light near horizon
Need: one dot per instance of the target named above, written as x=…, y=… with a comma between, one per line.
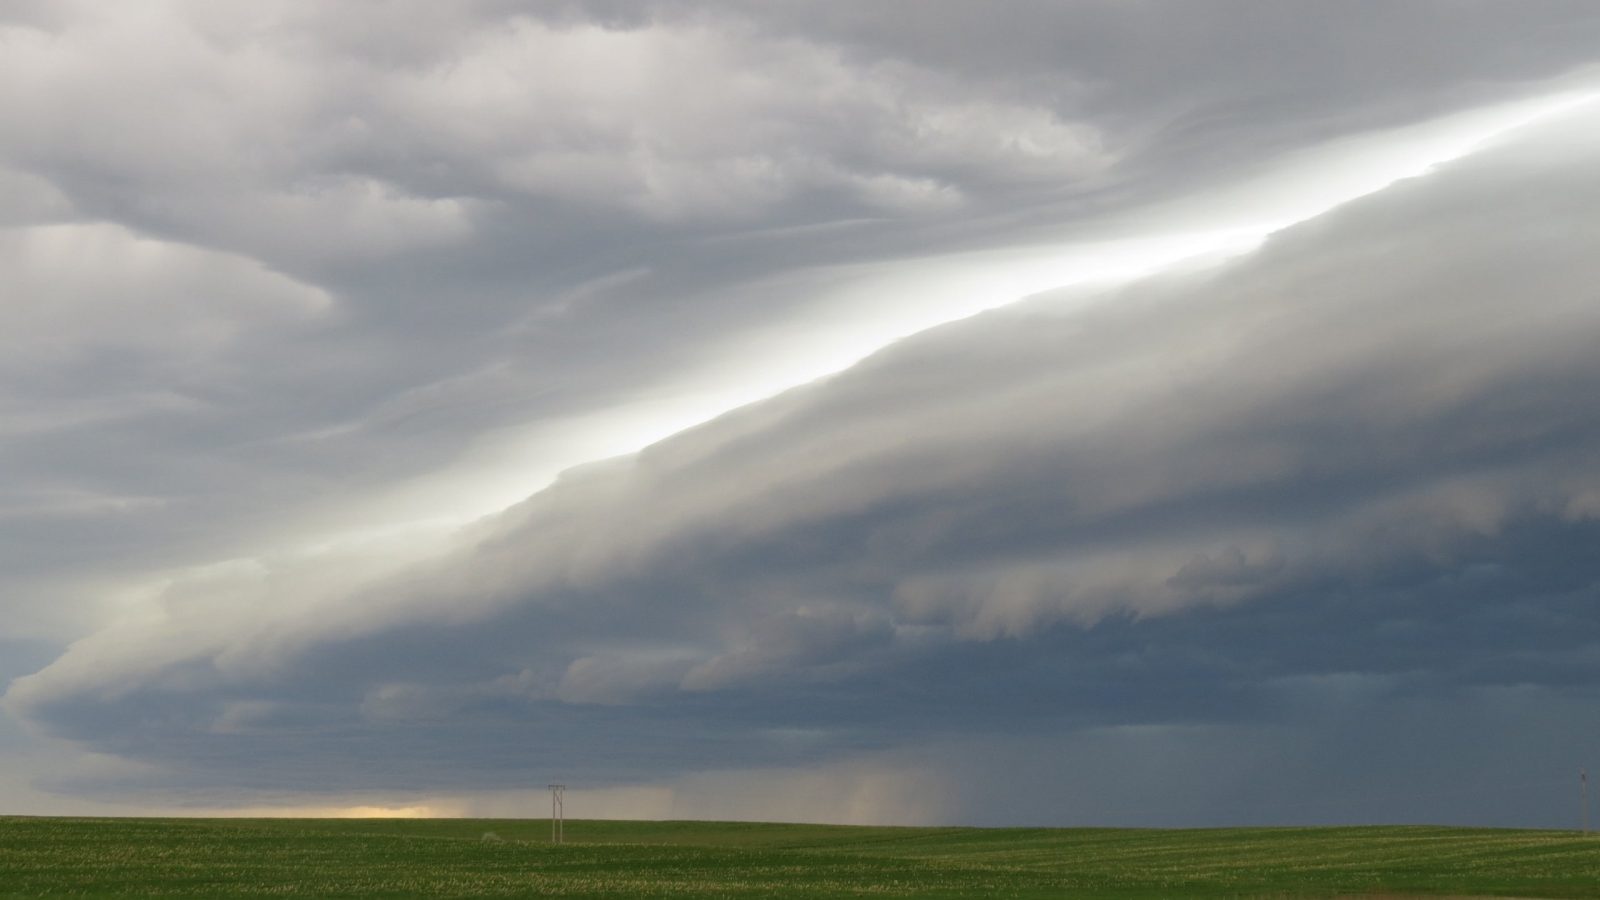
x=897, y=299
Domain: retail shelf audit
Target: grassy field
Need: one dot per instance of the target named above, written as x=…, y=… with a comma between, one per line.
x=452, y=857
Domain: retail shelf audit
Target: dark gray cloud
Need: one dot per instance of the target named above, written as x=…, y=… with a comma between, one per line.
x=520, y=213
x=1320, y=511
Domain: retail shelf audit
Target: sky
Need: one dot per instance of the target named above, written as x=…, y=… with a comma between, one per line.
x=1087, y=412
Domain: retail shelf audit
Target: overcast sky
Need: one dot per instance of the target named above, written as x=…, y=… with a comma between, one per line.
x=1115, y=412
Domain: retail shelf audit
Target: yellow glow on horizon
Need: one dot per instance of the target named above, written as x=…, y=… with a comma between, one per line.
x=335, y=811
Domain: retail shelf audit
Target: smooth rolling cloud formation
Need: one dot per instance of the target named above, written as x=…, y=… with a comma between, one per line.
x=292, y=297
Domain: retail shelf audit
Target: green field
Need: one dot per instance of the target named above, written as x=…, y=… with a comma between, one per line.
x=452, y=857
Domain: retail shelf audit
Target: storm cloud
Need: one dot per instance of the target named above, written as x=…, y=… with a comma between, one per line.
x=404, y=402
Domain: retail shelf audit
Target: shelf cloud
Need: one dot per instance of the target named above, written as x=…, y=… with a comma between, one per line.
x=1107, y=413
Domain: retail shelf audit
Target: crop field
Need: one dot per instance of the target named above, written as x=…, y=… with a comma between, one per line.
x=512, y=858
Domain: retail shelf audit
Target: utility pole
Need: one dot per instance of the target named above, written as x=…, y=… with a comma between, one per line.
x=558, y=814
x=1583, y=791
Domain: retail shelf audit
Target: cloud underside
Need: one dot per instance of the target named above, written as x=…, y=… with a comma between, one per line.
x=278, y=272
x=1347, y=481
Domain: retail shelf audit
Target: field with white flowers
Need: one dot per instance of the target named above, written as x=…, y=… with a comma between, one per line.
x=512, y=858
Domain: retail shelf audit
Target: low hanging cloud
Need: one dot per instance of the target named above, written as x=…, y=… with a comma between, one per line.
x=1351, y=473
x=293, y=290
